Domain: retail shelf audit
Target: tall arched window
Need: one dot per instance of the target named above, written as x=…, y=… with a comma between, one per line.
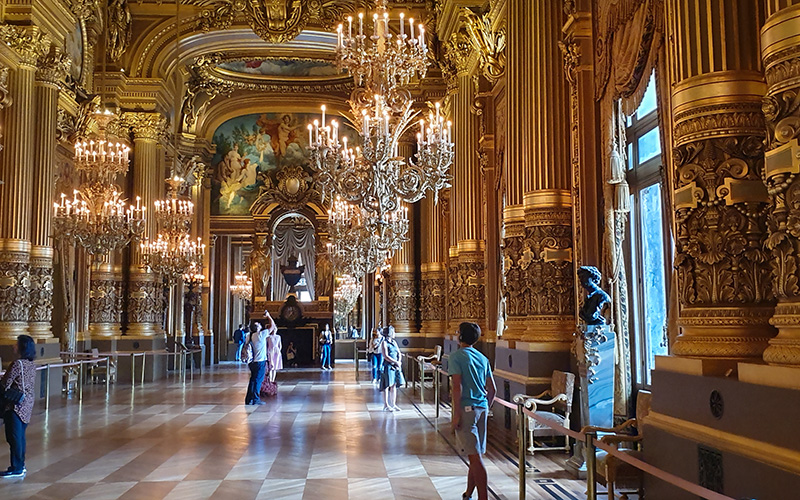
x=646, y=252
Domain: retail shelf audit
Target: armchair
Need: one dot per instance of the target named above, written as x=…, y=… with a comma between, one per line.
x=97, y=372
x=562, y=387
x=427, y=368
x=611, y=470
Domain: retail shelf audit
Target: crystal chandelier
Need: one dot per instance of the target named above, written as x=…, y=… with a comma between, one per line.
x=173, y=253
x=382, y=61
x=97, y=217
x=242, y=286
x=348, y=289
x=361, y=242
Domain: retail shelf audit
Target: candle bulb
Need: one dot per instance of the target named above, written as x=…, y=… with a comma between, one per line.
x=411, y=25
x=349, y=27
x=360, y=24
x=323, y=116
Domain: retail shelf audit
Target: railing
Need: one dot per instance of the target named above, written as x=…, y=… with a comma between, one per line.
x=590, y=440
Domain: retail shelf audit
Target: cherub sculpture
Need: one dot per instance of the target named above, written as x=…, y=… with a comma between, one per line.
x=591, y=311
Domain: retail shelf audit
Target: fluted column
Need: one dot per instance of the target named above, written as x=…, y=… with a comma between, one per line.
x=724, y=277
x=467, y=285
x=52, y=69
x=433, y=271
x=145, y=305
x=16, y=172
x=780, y=50
x=402, y=295
x=540, y=265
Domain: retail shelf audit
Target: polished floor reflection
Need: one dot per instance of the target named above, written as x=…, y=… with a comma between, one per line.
x=324, y=437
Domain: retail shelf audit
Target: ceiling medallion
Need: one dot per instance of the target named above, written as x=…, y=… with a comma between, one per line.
x=276, y=21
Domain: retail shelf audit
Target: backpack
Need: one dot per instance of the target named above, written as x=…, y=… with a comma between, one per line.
x=247, y=351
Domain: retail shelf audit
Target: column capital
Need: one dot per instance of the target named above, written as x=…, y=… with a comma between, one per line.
x=144, y=125
x=30, y=44
x=488, y=42
x=53, y=67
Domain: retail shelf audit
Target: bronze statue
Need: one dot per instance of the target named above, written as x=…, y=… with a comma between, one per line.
x=323, y=281
x=591, y=311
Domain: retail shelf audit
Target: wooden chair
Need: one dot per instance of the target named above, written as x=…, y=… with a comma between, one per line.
x=613, y=472
x=562, y=387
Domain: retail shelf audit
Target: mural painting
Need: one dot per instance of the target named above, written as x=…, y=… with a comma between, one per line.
x=248, y=148
x=282, y=67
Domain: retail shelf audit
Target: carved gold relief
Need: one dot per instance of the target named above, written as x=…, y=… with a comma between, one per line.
x=41, y=290
x=119, y=28
x=145, y=303
x=30, y=44
x=15, y=283
x=467, y=289
x=402, y=298
x=276, y=21
x=490, y=43
x=53, y=67
x=432, y=298
x=148, y=126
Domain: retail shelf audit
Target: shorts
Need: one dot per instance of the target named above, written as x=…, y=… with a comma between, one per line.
x=471, y=436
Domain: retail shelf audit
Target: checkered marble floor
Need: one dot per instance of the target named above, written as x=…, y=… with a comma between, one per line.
x=324, y=437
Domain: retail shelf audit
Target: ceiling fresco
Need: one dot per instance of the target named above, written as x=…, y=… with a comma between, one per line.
x=281, y=68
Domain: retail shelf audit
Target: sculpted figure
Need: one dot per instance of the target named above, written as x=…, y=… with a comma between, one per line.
x=591, y=311
x=260, y=266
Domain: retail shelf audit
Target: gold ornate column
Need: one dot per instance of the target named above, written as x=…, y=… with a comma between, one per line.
x=16, y=171
x=145, y=306
x=105, y=300
x=780, y=50
x=467, y=271
x=724, y=277
x=402, y=294
x=433, y=272
x=538, y=145
x=53, y=68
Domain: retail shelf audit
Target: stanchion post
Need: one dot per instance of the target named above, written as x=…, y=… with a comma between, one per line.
x=108, y=375
x=80, y=380
x=143, y=372
x=133, y=369
x=355, y=358
x=591, y=466
x=421, y=374
x=522, y=425
x=436, y=391
x=47, y=387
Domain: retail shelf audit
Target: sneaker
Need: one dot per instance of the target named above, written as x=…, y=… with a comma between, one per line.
x=13, y=474
x=388, y=408
x=396, y=408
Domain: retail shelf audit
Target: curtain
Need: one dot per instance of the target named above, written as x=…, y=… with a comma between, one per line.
x=297, y=241
x=629, y=34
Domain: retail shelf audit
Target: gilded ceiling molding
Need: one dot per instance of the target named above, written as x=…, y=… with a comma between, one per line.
x=488, y=42
x=199, y=93
x=276, y=21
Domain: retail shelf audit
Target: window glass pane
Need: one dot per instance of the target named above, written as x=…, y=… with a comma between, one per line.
x=630, y=156
x=649, y=145
x=653, y=275
x=649, y=101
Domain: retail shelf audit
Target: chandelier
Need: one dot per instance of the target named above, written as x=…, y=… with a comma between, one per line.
x=348, y=289
x=382, y=61
x=97, y=217
x=361, y=242
x=173, y=253
x=242, y=286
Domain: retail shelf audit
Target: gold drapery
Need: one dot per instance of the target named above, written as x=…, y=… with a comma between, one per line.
x=629, y=34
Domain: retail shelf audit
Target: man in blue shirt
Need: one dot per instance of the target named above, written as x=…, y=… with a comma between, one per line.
x=473, y=394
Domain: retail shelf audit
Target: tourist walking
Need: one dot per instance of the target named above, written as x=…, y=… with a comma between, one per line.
x=258, y=365
x=274, y=352
x=392, y=376
x=238, y=339
x=472, y=394
x=325, y=341
x=16, y=398
x=376, y=358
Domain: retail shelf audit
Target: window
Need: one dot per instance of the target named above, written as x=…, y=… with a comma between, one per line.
x=646, y=253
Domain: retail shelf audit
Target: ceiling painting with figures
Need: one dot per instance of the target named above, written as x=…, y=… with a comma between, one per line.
x=250, y=149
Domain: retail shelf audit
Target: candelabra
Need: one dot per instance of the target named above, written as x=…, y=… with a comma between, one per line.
x=97, y=217
x=242, y=286
x=348, y=289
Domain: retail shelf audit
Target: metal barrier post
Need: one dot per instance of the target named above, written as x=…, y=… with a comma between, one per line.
x=143, y=358
x=133, y=370
x=108, y=375
x=80, y=380
x=522, y=424
x=355, y=358
x=421, y=366
x=47, y=387
x=591, y=466
x=436, y=391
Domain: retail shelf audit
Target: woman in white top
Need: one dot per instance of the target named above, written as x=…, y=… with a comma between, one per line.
x=274, y=350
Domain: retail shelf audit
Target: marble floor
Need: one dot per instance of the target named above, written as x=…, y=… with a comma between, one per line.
x=324, y=437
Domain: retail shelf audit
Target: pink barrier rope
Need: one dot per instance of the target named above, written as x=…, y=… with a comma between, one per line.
x=505, y=403
x=553, y=425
